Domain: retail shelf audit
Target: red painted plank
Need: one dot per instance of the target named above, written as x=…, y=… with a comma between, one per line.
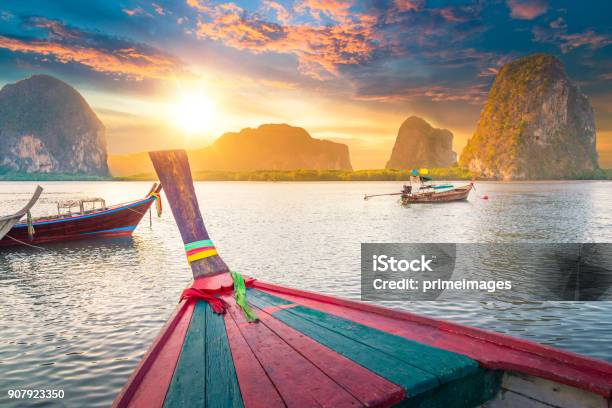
x=299, y=382
x=149, y=382
x=218, y=283
x=370, y=388
x=492, y=350
x=256, y=388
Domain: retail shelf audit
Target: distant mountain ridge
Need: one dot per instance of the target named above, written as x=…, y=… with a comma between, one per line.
x=46, y=126
x=418, y=144
x=268, y=147
x=535, y=124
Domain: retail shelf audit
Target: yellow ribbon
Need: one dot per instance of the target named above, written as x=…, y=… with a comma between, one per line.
x=201, y=255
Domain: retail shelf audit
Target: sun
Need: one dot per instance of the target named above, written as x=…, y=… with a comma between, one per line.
x=193, y=112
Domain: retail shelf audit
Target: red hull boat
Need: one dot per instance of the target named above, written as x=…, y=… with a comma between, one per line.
x=115, y=221
x=456, y=194
x=292, y=348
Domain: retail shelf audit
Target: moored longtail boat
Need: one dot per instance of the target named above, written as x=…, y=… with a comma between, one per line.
x=245, y=343
x=455, y=194
x=8, y=221
x=114, y=221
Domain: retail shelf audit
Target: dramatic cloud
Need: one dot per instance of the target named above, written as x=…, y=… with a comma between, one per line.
x=527, y=9
x=588, y=38
x=472, y=95
x=567, y=42
x=98, y=52
x=408, y=5
x=320, y=49
x=337, y=10
x=282, y=15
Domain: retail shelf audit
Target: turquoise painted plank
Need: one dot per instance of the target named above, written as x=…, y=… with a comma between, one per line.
x=445, y=365
x=222, y=389
x=187, y=388
x=405, y=375
x=468, y=392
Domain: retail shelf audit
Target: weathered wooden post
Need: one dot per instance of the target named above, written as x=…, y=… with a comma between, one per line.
x=172, y=168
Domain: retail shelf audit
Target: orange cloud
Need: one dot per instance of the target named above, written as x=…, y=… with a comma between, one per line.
x=320, y=49
x=527, y=10
x=282, y=14
x=102, y=54
x=337, y=10
x=408, y=5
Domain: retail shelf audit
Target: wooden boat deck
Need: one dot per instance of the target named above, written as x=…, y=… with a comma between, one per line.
x=313, y=350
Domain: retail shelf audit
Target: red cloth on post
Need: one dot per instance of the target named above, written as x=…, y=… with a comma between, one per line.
x=218, y=305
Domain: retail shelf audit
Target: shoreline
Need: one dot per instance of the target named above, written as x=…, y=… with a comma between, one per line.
x=301, y=175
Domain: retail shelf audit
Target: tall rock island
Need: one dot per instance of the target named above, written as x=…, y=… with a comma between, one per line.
x=271, y=147
x=535, y=124
x=418, y=144
x=46, y=126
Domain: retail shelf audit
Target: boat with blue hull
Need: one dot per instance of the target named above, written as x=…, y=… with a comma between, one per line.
x=103, y=222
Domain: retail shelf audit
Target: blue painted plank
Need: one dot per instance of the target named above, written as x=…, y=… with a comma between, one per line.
x=222, y=389
x=187, y=388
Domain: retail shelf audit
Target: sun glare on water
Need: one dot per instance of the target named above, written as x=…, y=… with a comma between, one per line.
x=194, y=113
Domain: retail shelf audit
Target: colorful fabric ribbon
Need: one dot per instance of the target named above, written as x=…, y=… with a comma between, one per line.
x=158, y=203
x=31, y=230
x=240, y=295
x=199, y=250
x=217, y=304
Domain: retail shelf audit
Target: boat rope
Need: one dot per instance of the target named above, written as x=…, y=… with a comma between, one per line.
x=31, y=229
x=158, y=203
x=24, y=243
x=133, y=210
x=240, y=296
x=199, y=250
x=217, y=304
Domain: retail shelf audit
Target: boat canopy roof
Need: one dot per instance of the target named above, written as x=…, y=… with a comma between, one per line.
x=81, y=202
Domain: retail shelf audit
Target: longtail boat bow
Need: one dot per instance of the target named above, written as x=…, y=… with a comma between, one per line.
x=305, y=349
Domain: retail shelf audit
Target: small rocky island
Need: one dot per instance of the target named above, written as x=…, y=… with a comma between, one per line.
x=418, y=144
x=271, y=147
x=535, y=124
x=46, y=126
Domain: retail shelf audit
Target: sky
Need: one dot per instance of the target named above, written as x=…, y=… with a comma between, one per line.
x=181, y=73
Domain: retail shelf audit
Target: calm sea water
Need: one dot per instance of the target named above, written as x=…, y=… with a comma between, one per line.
x=79, y=316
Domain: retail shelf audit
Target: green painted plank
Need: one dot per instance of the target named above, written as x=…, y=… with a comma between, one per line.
x=407, y=376
x=187, y=388
x=445, y=365
x=468, y=392
x=222, y=389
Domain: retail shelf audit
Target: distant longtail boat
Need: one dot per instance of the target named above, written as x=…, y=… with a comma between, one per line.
x=239, y=342
x=103, y=222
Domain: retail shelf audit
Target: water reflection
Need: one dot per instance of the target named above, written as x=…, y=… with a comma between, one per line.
x=79, y=316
